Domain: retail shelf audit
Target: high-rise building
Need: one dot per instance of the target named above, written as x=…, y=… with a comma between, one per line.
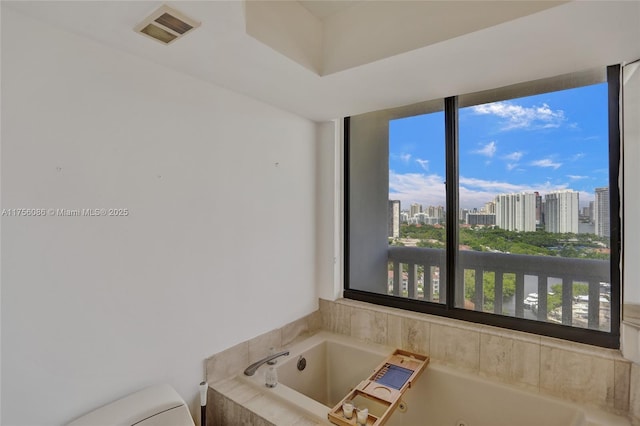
x=394, y=218
x=561, y=211
x=414, y=209
x=436, y=212
x=516, y=212
x=424, y=219
x=481, y=219
x=463, y=214
x=601, y=213
x=538, y=208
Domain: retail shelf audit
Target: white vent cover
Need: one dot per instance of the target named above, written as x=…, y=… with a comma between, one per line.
x=166, y=25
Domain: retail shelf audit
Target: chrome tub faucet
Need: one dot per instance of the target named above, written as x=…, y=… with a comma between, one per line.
x=251, y=370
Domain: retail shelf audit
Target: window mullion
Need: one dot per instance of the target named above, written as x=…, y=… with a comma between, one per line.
x=614, y=87
x=451, y=140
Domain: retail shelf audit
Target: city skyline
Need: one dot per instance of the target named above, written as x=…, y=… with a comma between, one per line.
x=543, y=143
x=555, y=212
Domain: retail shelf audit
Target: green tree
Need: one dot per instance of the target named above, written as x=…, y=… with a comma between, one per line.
x=538, y=243
x=554, y=300
x=488, y=287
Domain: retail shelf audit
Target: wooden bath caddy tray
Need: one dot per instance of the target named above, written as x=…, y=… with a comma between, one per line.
x=381, y=392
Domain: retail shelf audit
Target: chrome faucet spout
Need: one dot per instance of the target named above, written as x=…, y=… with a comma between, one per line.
x=251, y=370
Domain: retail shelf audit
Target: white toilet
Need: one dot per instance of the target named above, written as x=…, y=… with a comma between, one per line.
x=154, y=406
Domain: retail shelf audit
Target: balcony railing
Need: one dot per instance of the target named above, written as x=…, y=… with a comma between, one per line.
x=591, y=310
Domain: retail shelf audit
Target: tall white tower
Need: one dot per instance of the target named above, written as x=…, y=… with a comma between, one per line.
x=414, y=209
x=601, y=213
x=516, y=212
x=561, y=211
x=394, y=218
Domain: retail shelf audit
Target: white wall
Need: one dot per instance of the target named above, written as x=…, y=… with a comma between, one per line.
x=218, y=246
x=631, y=93
x=630, y=330
x=329, y=210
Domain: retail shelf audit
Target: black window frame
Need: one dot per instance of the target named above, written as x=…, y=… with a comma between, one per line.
x=610, y=339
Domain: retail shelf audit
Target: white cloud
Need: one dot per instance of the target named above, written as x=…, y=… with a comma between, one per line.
x=576, y=177
x=511, y=166
x=404, y=157
x=423, y=163
x=488, y=150
x=514, y=156
x=491, y=185
x=546, y=162
x=421, y=188
x=412, y=188
x=475, y=192
x=520, y=117
x=578, y=156
x=585, y=197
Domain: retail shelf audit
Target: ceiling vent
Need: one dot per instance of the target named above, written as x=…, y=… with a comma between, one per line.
x=166, y=25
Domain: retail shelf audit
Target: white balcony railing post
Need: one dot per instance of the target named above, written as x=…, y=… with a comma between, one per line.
x=542, y=268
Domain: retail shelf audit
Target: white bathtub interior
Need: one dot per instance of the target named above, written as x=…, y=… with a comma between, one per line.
x=442, y=396
x=332, y=370
x=446, y=397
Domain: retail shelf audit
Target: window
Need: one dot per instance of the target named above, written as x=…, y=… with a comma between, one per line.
x=493, y=207
x=417, y=164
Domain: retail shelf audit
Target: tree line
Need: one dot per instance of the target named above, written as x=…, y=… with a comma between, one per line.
x=541, y=243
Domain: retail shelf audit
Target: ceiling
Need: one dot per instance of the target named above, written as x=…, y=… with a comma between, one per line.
x=351, y=34
x=568, y=37
x=322, y=9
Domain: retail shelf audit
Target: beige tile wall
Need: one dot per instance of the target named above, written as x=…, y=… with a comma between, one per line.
x=234, y=360
x=572, y=371
x=634, y=401
x=232, y=402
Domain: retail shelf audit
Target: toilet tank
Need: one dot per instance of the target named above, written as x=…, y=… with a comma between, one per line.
x=154, y=406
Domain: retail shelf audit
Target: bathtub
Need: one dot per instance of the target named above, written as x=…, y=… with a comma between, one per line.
x=442, y=396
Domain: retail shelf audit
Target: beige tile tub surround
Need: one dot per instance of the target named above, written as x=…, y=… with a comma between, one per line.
x=634, y=401
x=622, y=390
x=573, y=371
x=511, y=359
x=232, y=402
x=369, y=326
x=407, y=333
x=234, y=360
x=227, y=363
x=631, y=313
x=336, y=317
x=225, y=401
x=577, y=377
x=260, y=346
x=455, y=346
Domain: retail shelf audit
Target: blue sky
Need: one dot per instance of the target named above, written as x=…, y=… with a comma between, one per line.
x=547, y=142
